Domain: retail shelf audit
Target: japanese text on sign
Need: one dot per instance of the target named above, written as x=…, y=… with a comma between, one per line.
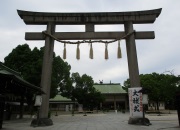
x=135, y=102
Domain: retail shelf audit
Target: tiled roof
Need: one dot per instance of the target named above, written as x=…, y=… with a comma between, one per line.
x=59, y=98
x=103, y=88
x=109, y=88
x=9, y=74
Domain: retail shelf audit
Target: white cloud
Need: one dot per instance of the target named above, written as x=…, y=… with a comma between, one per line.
x=157, y=55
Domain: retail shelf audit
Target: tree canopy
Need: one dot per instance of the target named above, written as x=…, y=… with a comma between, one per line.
x=29, y=63
x=82, y=90
x=162, y=86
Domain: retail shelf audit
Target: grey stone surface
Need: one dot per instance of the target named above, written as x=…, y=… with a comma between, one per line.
x=132, y=56
x=41, y=122
x=47, y=71
x=142, y=121
x=89, y=35
x=101, y=121
x=145, y=16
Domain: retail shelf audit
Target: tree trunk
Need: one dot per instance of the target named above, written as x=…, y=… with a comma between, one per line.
x=21, y=107
x=73, y=107
x=157, y=104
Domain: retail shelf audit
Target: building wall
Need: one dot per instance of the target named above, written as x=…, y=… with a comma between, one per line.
x=59, y=106
x=153, y=106
x=115, y=101
x=112, y=102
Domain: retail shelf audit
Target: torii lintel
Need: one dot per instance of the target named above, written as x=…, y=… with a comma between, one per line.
x=42, y=18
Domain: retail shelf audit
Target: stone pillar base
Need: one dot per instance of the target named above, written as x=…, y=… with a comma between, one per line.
x=41, y=122
x=139, y=121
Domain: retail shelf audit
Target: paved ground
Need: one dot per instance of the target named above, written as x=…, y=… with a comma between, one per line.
x=101, y=121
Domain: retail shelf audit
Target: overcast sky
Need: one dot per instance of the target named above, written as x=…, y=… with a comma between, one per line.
x=158, y=55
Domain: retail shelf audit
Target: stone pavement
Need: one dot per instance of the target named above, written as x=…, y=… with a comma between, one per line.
x=101, y=121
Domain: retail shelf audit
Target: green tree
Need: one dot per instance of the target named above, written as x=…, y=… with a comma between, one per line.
x=60, y=74
x=162, y=86
x=81, y=88
x=94, y=99
x=29, y=63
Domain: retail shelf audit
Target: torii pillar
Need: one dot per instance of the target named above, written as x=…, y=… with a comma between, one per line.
x=89, y=20
x=47, y=71
x=132, y=56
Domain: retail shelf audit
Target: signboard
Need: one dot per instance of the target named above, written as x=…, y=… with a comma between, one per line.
x=38, y=100
x=144, y=99
x=135, y=102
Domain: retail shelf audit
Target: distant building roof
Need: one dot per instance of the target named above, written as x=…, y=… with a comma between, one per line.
x=109, y=88
x=59, y=98
x=103, y=88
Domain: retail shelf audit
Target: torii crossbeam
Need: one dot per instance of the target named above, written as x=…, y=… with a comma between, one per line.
x=89, y=20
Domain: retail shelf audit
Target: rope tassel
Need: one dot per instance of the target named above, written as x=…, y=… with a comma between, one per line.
x=78, y=52
x=119, y=55
x=64, y=52
x=106, y=51
x=91, y=52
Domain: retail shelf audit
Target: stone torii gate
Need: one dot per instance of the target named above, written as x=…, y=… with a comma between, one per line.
x=89, y=20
